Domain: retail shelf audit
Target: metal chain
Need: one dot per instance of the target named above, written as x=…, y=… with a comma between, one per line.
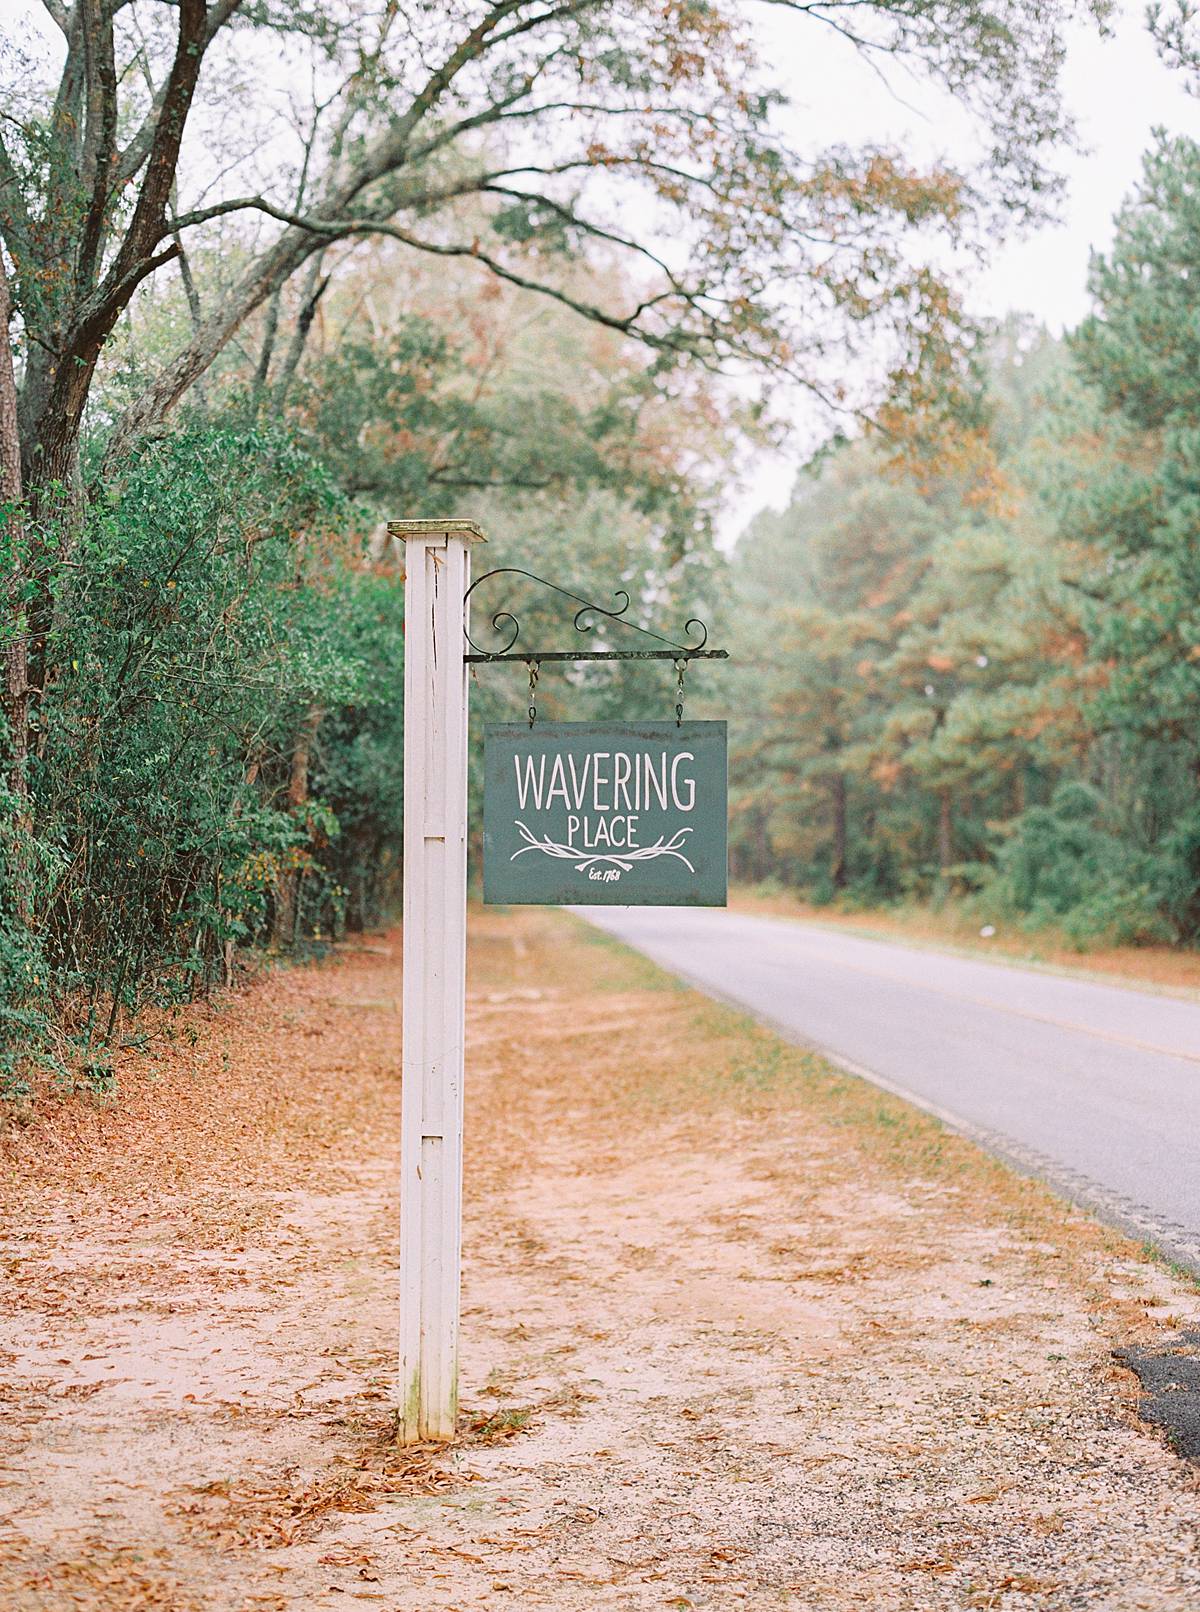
x=680, y=669
x=534, y=669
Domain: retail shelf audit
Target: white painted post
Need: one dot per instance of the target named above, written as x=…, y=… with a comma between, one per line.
x=437, y=575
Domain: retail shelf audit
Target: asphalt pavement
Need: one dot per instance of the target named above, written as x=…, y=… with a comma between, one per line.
x=1093, y=1087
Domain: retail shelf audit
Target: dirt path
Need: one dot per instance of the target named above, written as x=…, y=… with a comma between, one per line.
x=738, y=1331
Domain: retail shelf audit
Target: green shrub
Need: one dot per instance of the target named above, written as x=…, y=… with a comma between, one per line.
x=1060, y=866
x=214, y=615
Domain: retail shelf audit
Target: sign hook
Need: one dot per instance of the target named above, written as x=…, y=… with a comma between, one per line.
x=680, y=669
x=534, y=669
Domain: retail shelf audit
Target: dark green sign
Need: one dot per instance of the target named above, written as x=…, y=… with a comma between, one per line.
x=606, y=813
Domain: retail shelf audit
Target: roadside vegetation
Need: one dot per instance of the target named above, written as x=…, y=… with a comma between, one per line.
x=273, y=275
x=980, y=688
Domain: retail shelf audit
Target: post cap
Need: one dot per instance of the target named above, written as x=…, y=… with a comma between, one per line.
x=469, y=531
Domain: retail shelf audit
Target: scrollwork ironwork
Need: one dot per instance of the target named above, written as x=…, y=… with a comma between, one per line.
x=506, y=624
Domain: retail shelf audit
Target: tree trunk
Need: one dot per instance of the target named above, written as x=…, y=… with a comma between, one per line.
x=762, y=847
x=945, y=838
x=14, y=692
x=1189, y=912
x=287, y=886
x=1019, y=800
x=839, y=831
x=52, y=415
x=314, y=289
x=267, y=350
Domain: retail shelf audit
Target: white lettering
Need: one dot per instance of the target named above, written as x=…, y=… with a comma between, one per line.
x=633, y=783
x=599, y=780
x=622, y=767
x=523, y=788
x=660, y=785
x=579, y=785
x=684, y=755
x=558, y=784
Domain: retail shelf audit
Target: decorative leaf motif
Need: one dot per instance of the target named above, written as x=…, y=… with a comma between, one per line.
x=586, y=859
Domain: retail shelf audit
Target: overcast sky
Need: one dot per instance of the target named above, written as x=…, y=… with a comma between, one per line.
x=1118, y=91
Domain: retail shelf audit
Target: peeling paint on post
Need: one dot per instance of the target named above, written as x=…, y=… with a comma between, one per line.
x=436, y=578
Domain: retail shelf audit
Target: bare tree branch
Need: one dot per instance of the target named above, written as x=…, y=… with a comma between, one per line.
x=16, y=226
x=59, y=13
x=340, y=228
x=390, y=152
x=136, y=152
x=315, y=288
x=569, y=216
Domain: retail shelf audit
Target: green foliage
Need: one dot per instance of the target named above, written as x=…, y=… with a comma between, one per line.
x=1141, y=353
x=1061, y=866
x=197, y=624
x=978, y=671
x=217, y=763
x=406, y=422
x=990, y=678
x=358, y=767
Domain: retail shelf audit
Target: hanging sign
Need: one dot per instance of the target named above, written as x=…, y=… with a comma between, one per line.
x=605, y=813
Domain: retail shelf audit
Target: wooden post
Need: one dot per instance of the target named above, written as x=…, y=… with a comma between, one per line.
x=437, y=575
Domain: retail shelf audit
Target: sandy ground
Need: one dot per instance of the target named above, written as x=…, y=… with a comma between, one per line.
x=738, y=1330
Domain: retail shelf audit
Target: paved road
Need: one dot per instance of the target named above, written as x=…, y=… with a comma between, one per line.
x=1094, y=1087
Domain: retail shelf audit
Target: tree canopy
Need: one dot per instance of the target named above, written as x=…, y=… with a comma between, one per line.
x=515, y=134
x=991, y=682
x=272, y=274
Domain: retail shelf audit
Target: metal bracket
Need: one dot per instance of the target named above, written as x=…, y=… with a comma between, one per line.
x=504, y=621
